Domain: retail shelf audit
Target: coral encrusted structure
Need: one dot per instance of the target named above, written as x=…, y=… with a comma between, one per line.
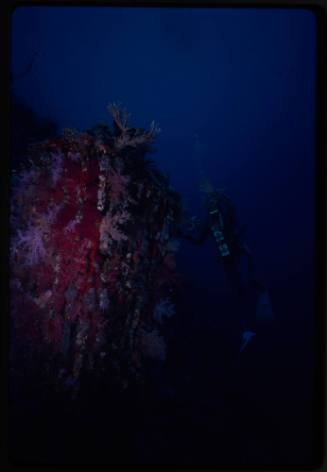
x=92, y=251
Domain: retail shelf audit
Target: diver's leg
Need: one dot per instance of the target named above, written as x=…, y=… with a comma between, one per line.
x=233, y=273
x=253, y=280
x=263, y=311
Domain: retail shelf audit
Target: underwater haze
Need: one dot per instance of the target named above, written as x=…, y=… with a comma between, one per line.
x=234, y=93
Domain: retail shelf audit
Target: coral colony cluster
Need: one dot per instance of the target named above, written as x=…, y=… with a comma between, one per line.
x=92, y=254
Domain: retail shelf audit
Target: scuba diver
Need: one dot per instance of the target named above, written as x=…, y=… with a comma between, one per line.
x=221, y=223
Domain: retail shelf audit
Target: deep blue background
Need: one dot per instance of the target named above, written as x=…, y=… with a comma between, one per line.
x=244, y=81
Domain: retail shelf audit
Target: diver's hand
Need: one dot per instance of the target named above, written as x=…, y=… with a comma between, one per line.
x=246, y=338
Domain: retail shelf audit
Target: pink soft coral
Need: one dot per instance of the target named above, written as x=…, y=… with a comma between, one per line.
x=57, y=167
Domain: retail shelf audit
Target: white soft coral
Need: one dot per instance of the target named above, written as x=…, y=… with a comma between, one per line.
x=118, y=186
x=109, y=229
x=31, y=244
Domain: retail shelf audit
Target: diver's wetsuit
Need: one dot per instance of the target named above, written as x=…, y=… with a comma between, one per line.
x=221, y=223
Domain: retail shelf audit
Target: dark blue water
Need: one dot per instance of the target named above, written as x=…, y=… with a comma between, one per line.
x=244, y=81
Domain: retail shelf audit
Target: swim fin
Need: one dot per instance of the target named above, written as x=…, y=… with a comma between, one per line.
x=246, y=338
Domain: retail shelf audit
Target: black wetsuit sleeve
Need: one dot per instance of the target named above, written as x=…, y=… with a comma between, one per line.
x=196, y=235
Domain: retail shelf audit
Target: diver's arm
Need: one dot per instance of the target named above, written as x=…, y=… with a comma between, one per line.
x=196, y=233
x=201, y=234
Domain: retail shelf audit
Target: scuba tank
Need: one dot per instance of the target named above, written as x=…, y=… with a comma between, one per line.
x=217, y=226
x=213, y=199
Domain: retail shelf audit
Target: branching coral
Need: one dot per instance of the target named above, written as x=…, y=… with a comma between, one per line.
x=120, y=116
x=131, y=136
